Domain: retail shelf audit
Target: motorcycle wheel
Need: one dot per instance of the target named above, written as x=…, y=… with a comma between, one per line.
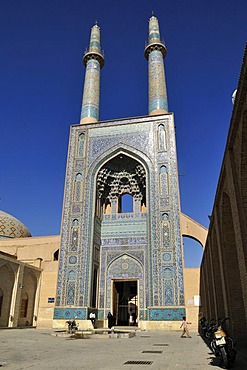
x=213, y=348
x=224, y=357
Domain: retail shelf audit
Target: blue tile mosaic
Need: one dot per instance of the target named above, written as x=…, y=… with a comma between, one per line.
x=166, y=314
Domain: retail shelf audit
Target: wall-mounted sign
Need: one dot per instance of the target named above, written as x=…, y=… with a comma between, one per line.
x=51, y=300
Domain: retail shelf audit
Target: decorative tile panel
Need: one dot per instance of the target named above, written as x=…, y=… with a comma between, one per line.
x=166, y=314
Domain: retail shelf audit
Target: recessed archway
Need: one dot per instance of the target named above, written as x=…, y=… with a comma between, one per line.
x=121, y=186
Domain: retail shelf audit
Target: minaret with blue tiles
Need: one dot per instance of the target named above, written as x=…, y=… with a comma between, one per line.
x=93, y=60
x=155, y=52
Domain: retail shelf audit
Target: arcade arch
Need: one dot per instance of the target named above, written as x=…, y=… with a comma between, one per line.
x=7, y=279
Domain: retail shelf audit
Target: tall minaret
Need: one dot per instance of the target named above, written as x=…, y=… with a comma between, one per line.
x=154, y=52
x=93, y=60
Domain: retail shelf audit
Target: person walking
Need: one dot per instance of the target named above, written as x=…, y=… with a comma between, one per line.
x=184, y=325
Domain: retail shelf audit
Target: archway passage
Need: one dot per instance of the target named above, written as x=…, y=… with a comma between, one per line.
x=125, y=302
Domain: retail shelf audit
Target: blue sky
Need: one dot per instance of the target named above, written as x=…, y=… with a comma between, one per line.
x=41, y=82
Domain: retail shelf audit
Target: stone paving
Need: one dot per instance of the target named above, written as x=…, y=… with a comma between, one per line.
x=39, y=349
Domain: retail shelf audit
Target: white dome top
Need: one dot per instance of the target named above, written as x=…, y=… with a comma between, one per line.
x=10, y=227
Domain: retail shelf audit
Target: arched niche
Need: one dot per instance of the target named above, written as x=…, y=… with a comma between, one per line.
x=7, y=279
x=28, y=293
x=121, y=177
x=127, y=270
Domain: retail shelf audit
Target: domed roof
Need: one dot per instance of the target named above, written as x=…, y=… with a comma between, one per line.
x=10, y=227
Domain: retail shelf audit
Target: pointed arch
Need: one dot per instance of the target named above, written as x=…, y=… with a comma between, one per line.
x=119, y=149
x=125, y=267
x=124, y=256
x=28, y=293
x=7, y=280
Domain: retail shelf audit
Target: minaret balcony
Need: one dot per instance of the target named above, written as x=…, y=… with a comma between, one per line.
x=93, y=55
x=153, y=46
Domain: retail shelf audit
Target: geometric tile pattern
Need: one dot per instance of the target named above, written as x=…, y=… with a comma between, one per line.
x=10, y=227
x=157, y=91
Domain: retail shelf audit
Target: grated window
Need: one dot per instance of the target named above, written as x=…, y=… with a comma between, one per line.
x=161, y=345
x=138, y=362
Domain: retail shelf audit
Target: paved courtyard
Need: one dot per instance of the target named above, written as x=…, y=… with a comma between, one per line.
x=39, y=349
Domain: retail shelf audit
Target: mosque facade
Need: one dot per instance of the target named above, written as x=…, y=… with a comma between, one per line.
x=127, y=262
x=120, y=248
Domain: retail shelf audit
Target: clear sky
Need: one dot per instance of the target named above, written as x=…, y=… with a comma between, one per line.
x=41, y=81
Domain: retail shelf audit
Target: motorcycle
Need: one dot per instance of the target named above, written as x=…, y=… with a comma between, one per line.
x=72, y=327
x=203, y=326
x=223, y=346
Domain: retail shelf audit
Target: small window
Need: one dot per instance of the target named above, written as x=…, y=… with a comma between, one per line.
x=56, y=255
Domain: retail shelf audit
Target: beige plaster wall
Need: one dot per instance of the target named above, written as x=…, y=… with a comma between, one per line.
x=160, y=325
x=29, y=249
x=191, y=289
x=48, y=290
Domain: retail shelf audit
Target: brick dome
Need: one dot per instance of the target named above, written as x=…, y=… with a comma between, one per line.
x=10, y=227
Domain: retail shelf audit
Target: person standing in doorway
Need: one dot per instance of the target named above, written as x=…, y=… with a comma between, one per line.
x=110, y=320
x=184, y=325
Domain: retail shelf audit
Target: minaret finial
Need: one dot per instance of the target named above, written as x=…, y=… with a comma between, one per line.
x=154, y=52
x=152, y=13
x=93, y=60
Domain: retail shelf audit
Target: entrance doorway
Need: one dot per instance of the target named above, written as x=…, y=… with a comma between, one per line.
x=125, y=302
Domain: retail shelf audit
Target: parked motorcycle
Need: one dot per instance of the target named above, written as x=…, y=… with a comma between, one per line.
x=203, y=326
x=223, y=346
x=211, y=328
x=72, y=327
x=206, y=329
